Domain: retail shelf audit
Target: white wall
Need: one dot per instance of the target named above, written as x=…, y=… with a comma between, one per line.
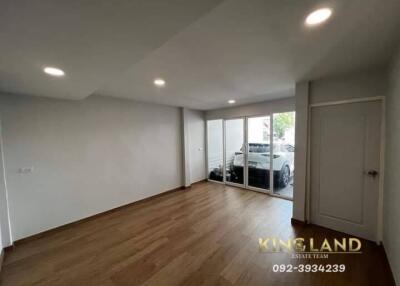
x=5, y=239
x=186, y=181
x=255, y=109
x=87, y=156
x=355, y=85
x=197, y=155
x=391, y=228
x=2, y=200
x=300, y=156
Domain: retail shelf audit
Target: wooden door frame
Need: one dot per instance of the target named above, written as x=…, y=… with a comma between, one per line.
x=381, y=99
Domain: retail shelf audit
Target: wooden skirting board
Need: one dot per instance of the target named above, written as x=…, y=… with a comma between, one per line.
x=297, y=222
x=387, y=264
x=93, y=217
x=196, y=183
x=44, y=233
x=1, y=258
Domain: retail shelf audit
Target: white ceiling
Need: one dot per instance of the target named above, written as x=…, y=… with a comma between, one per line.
x=207, y=51
x=94, y=41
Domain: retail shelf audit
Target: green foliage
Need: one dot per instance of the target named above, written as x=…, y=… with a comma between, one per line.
x=282, y=122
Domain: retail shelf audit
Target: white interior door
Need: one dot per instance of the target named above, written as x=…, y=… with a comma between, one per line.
x=345, y=159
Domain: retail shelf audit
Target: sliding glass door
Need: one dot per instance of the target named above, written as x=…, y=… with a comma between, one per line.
x=253, y=152
x=234, y=151
x=215, y=150
x=258, y=156
x=283, y=153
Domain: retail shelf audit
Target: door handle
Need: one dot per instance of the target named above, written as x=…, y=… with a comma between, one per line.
x=372, y=173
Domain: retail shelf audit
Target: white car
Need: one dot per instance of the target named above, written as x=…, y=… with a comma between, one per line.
x=259, y=164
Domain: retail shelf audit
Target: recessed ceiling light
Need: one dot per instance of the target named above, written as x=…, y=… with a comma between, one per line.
x=53, y=71
x=231, y=101
x=318, y=16
x=159, y=82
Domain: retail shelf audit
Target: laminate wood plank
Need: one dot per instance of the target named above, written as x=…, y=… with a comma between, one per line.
x=205, y=235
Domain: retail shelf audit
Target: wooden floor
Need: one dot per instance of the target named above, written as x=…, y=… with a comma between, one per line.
x=207, y=235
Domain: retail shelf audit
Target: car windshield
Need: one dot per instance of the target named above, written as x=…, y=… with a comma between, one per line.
x=264, y=147
x=258, y=148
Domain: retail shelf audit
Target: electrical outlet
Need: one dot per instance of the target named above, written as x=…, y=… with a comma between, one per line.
x=25, y=170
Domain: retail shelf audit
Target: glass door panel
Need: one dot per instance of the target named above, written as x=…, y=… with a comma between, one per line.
x=215, y=150
x=258, y=163
x=234, y=153
x=283, y=153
